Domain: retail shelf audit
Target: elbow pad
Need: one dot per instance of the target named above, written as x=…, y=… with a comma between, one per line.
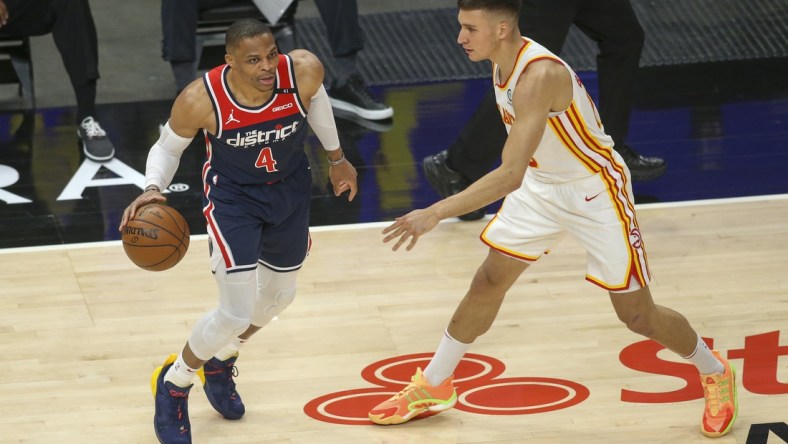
x=321, y=120
x=164, y=157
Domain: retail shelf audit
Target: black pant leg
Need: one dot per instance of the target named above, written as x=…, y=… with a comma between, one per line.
x=615, y=27
x=340, y=17
x=345, y=36
x=478, y=146
x=29, y=18
x=547, y=21
x=179, y=27
x=74, y=33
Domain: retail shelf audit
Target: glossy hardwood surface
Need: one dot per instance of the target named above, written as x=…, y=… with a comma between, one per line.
x=81, y=329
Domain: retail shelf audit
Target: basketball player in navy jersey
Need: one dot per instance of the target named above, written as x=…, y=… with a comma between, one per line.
x=253, y=112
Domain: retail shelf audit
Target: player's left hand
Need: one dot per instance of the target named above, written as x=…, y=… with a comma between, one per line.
x=411, y=226
x=343, y=178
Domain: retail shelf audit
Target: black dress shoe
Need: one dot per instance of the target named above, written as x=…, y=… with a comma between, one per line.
x=353, y=97
x=446, y=181
x=641, y=167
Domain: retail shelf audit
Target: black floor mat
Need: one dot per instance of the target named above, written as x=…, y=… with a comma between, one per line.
x=419, y=46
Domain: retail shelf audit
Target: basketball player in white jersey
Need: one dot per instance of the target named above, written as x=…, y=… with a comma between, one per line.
x=253, y=112
x=558, y=174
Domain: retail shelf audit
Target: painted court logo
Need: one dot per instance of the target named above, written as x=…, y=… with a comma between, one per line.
x=479, y=390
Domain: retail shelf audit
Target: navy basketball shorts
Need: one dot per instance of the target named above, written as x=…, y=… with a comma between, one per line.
x=266, y=224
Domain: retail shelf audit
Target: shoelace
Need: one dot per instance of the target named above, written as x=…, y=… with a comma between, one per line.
x=92, y=128
x=233, y=374
x=180, y=398
x=408, y=388
x=231, y=371
x=716, y=395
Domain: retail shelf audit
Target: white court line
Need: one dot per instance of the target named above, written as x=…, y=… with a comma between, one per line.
x=360, y=226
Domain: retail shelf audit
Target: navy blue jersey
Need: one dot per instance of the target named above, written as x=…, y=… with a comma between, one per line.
x=256, y=145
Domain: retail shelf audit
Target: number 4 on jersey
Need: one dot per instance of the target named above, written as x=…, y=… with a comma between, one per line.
x=266, y=160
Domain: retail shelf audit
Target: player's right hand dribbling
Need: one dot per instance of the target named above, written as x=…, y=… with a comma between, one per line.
x=147, y=197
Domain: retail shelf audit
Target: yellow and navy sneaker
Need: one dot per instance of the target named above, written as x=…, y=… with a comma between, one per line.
x=220, y=387
x=171, y=420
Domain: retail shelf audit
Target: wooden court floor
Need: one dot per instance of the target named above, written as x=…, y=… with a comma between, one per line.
x=81, y=330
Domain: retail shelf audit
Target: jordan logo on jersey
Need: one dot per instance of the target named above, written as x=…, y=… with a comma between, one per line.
x=232, y=119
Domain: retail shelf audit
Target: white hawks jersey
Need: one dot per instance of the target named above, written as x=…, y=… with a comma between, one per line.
x=574, y=144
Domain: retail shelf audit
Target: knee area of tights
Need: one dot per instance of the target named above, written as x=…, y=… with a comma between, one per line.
x=268, y=308
x=285, y=297
x=280, y=301
x=227, y=323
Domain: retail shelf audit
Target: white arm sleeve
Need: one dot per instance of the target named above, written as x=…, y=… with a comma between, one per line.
x=164, y=157
x=321, y=120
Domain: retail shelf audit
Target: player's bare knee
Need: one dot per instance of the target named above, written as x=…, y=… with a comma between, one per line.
x=484, y=285
x=639, y=322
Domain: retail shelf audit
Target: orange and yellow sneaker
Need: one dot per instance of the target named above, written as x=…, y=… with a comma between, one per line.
x=722, y=406
x=416, y=398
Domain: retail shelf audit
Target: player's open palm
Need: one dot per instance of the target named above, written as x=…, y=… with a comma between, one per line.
x=410, y=227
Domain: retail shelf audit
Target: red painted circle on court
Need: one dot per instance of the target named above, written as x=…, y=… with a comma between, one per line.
x=520, y=396
x=396, y=372
x=478, y=387
x=350, y=407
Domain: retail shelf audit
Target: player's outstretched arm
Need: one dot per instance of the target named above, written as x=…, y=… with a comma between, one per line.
x=544, y=87
x=320, y=116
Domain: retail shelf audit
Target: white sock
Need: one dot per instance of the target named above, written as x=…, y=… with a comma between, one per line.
x=180, y=374
x=706, y=362
x=230, y=349
x=446, y=359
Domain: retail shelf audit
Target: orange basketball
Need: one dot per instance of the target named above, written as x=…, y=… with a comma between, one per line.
x=156, y=238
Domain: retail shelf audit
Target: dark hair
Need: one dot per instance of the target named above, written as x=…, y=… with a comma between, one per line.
x=244, y=29
x=509, y=6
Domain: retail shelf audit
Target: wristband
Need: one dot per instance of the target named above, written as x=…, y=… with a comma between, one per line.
x=152, y=188
x=338, y=161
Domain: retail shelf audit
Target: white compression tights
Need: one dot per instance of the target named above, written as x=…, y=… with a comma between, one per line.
x=233, y=316
x=275, y=291
x=243, y=300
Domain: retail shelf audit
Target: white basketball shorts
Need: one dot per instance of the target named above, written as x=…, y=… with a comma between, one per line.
x=598, y=211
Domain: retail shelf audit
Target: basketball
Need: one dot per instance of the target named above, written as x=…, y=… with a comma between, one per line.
x=156, y=238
